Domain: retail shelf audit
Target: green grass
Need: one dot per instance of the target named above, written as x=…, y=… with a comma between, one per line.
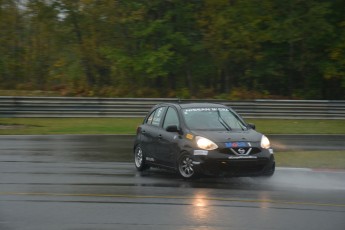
x=129, y=125
x=69, y=125
x=311, y=159
x=285, y=126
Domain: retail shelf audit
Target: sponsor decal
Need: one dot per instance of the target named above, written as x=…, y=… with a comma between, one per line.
x=242, y=157
x=150, y=159
x=189, y=136
x=200, y=152
x=237, y=144
x=205, y=110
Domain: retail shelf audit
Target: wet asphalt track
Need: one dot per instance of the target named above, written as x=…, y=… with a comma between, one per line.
x=77, y=182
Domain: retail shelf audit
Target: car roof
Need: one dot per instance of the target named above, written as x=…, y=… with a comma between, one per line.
x=193, y=105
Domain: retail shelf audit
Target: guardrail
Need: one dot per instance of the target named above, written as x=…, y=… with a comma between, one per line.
x=138, y=107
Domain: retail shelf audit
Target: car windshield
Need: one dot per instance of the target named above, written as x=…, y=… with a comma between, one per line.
x=212, y=119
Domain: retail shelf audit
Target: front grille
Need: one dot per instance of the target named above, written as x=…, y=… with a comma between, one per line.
x=230, y=151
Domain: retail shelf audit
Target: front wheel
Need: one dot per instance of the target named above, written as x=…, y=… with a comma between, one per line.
x=186, y=167
x=139, y=159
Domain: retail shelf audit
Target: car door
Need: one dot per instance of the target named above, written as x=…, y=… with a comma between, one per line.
x=167, y=143
x=150, y=133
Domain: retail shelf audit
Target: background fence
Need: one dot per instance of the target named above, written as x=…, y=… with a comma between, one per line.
x=138, y=107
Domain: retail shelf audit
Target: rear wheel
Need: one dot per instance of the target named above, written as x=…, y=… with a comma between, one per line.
x=186, y=167
x=139, y=159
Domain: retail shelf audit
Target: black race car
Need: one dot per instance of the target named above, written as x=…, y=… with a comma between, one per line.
x=201, y=138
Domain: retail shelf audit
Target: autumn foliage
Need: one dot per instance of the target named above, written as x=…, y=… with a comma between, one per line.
x=232, y=49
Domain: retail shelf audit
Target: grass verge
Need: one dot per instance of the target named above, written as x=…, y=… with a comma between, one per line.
x=311, y=159
x=30, y=126
x=298, y=126
x=25, y=126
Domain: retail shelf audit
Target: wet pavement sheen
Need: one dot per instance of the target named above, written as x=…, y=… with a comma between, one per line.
x=86, y=182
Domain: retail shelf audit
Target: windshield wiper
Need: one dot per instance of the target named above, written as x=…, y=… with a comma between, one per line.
x=220, y=119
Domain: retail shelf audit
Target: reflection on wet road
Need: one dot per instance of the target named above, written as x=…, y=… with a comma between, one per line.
x=69, y=182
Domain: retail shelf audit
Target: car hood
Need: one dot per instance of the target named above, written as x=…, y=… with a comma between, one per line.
x=229, y=136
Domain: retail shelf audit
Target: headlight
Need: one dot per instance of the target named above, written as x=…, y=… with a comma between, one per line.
x=265, y=143
x=205, y=143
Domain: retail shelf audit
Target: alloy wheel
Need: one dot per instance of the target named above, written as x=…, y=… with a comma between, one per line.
x=186, y=167
x=138, y=157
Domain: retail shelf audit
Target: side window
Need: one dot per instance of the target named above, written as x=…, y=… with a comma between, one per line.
x=156, y=116
x=171, y=118
x=150, y=118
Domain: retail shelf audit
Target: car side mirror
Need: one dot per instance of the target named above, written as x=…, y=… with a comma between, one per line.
x=172, y=129
x=252, y=126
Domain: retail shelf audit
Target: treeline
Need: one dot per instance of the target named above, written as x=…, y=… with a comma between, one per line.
x=175, y=48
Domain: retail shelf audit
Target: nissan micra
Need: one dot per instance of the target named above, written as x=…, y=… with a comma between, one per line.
x=197, y=139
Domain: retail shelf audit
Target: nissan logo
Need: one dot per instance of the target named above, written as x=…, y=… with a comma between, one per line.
x=241, y=151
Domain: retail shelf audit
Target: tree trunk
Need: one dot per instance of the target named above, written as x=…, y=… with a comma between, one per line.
x=86, y=63
x=190, y=83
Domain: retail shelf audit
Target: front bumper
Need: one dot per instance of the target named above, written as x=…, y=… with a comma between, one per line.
x=230, y=164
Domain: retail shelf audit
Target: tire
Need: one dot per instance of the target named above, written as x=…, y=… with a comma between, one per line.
x=139, y=159
x=185, y=167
